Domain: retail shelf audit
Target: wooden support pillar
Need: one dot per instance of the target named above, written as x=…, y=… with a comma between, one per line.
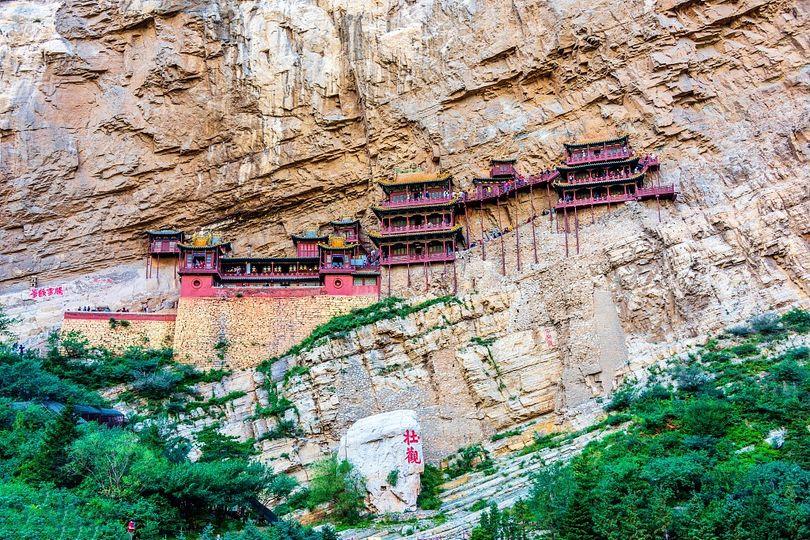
x=500, y=231
x=389, y=277
x=550, y=213
x=534, y=215
x=576, y=228
x=481, y=221
x=517, y=226
x=425, y=255
x=466, y=224
x=455, y=278
x=157, y=272
x=565, y=221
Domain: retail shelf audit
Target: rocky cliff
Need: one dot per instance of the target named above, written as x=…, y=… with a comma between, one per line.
x=268, y=117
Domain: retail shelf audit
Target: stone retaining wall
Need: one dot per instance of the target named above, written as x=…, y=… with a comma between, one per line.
x=251, y=329
x=154, y=330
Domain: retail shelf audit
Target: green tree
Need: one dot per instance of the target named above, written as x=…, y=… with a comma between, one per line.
x=338, y=484
x=48, y=464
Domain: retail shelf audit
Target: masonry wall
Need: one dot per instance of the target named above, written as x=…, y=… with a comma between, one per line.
x=151, y=330
x=252, y=328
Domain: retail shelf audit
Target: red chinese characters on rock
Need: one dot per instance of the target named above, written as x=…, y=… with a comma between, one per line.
x=42, y=292
x=412, y=454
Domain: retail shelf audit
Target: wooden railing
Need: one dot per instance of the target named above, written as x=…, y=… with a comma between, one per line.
x=604, y=155
x=416, y=228
x=161, y=246
x=416, y=202
x=407, y=259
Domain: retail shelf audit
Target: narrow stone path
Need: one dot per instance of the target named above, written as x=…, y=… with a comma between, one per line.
x=511, y=482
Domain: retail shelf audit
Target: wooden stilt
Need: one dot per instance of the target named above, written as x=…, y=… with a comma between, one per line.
x=389, y=280
x=550, y=213
x=576, y=228
x=500, y=231
x=565, y=221
x=408, y=269
x=466, y=224
x=455, y=278
x=157, y=272
x=427, y=286
x=534, y=215
x=483, y=240
x=517, y=227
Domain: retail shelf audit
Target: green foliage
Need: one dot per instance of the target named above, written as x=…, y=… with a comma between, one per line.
x=797, y=320
x=432, y=479
x=63, y=480
x=48, y=463
x=337, y=484
x=469, y=459
x=115, y=323
x=393, y=477
x=277, y=404
x=389, y=308
x=6, y=323
x=216, y=446
x=282, y=430
x=295, y=371
x=214, y=401
x=480, y=504
x=505, y=435
x=694, y=462
x=745, y=349
x=766, y=323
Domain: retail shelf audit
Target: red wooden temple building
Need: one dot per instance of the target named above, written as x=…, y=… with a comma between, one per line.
x=162, y=243
x=417, y=221
x=604, y=172
x=334, y=263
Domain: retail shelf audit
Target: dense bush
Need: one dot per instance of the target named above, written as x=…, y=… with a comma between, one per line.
x=67, y=480
x=337, y=484
x=697, y=462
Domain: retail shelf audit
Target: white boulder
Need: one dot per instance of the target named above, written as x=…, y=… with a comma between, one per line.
x=386, y=449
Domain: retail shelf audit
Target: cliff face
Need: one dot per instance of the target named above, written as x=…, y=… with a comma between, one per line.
x=270, y=116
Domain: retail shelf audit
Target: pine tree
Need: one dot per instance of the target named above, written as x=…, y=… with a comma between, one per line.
x=47, y=463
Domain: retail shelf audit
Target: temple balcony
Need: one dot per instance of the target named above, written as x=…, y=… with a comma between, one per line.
x=417, y=259
x=416, y=202
x=665, y=192
x=311, y=274
x=160, y=247
x=602, y=179
x=503, y=189
x=426, y=227
x=347, y=268
x=579, y=158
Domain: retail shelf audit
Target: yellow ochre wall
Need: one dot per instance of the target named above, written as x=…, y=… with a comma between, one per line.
x=254, y=328
x=152, y=334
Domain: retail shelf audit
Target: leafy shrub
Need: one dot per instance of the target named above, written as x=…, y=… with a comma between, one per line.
x=766, y=323
x=691, y=378
x=480, y=504
x=741, y=330
x=337, y=484
x=393, y=477
x=282, y=430
x=745, y=349
x=216, y=446
x=505, y=435
x=707, y=417
x=469, y=459
x=432, y=478
x=797, y=320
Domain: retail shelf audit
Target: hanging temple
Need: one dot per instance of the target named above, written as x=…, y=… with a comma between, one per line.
x=422, y=221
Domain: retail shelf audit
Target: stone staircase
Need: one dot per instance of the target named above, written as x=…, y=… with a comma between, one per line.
x=512, y=481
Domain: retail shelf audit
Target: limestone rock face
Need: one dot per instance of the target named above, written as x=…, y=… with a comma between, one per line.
x=386, y=450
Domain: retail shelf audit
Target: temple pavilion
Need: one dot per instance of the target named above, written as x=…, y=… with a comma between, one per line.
x=417, y=220
x=331, y=263
x=162, y=243
x=604, y=172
